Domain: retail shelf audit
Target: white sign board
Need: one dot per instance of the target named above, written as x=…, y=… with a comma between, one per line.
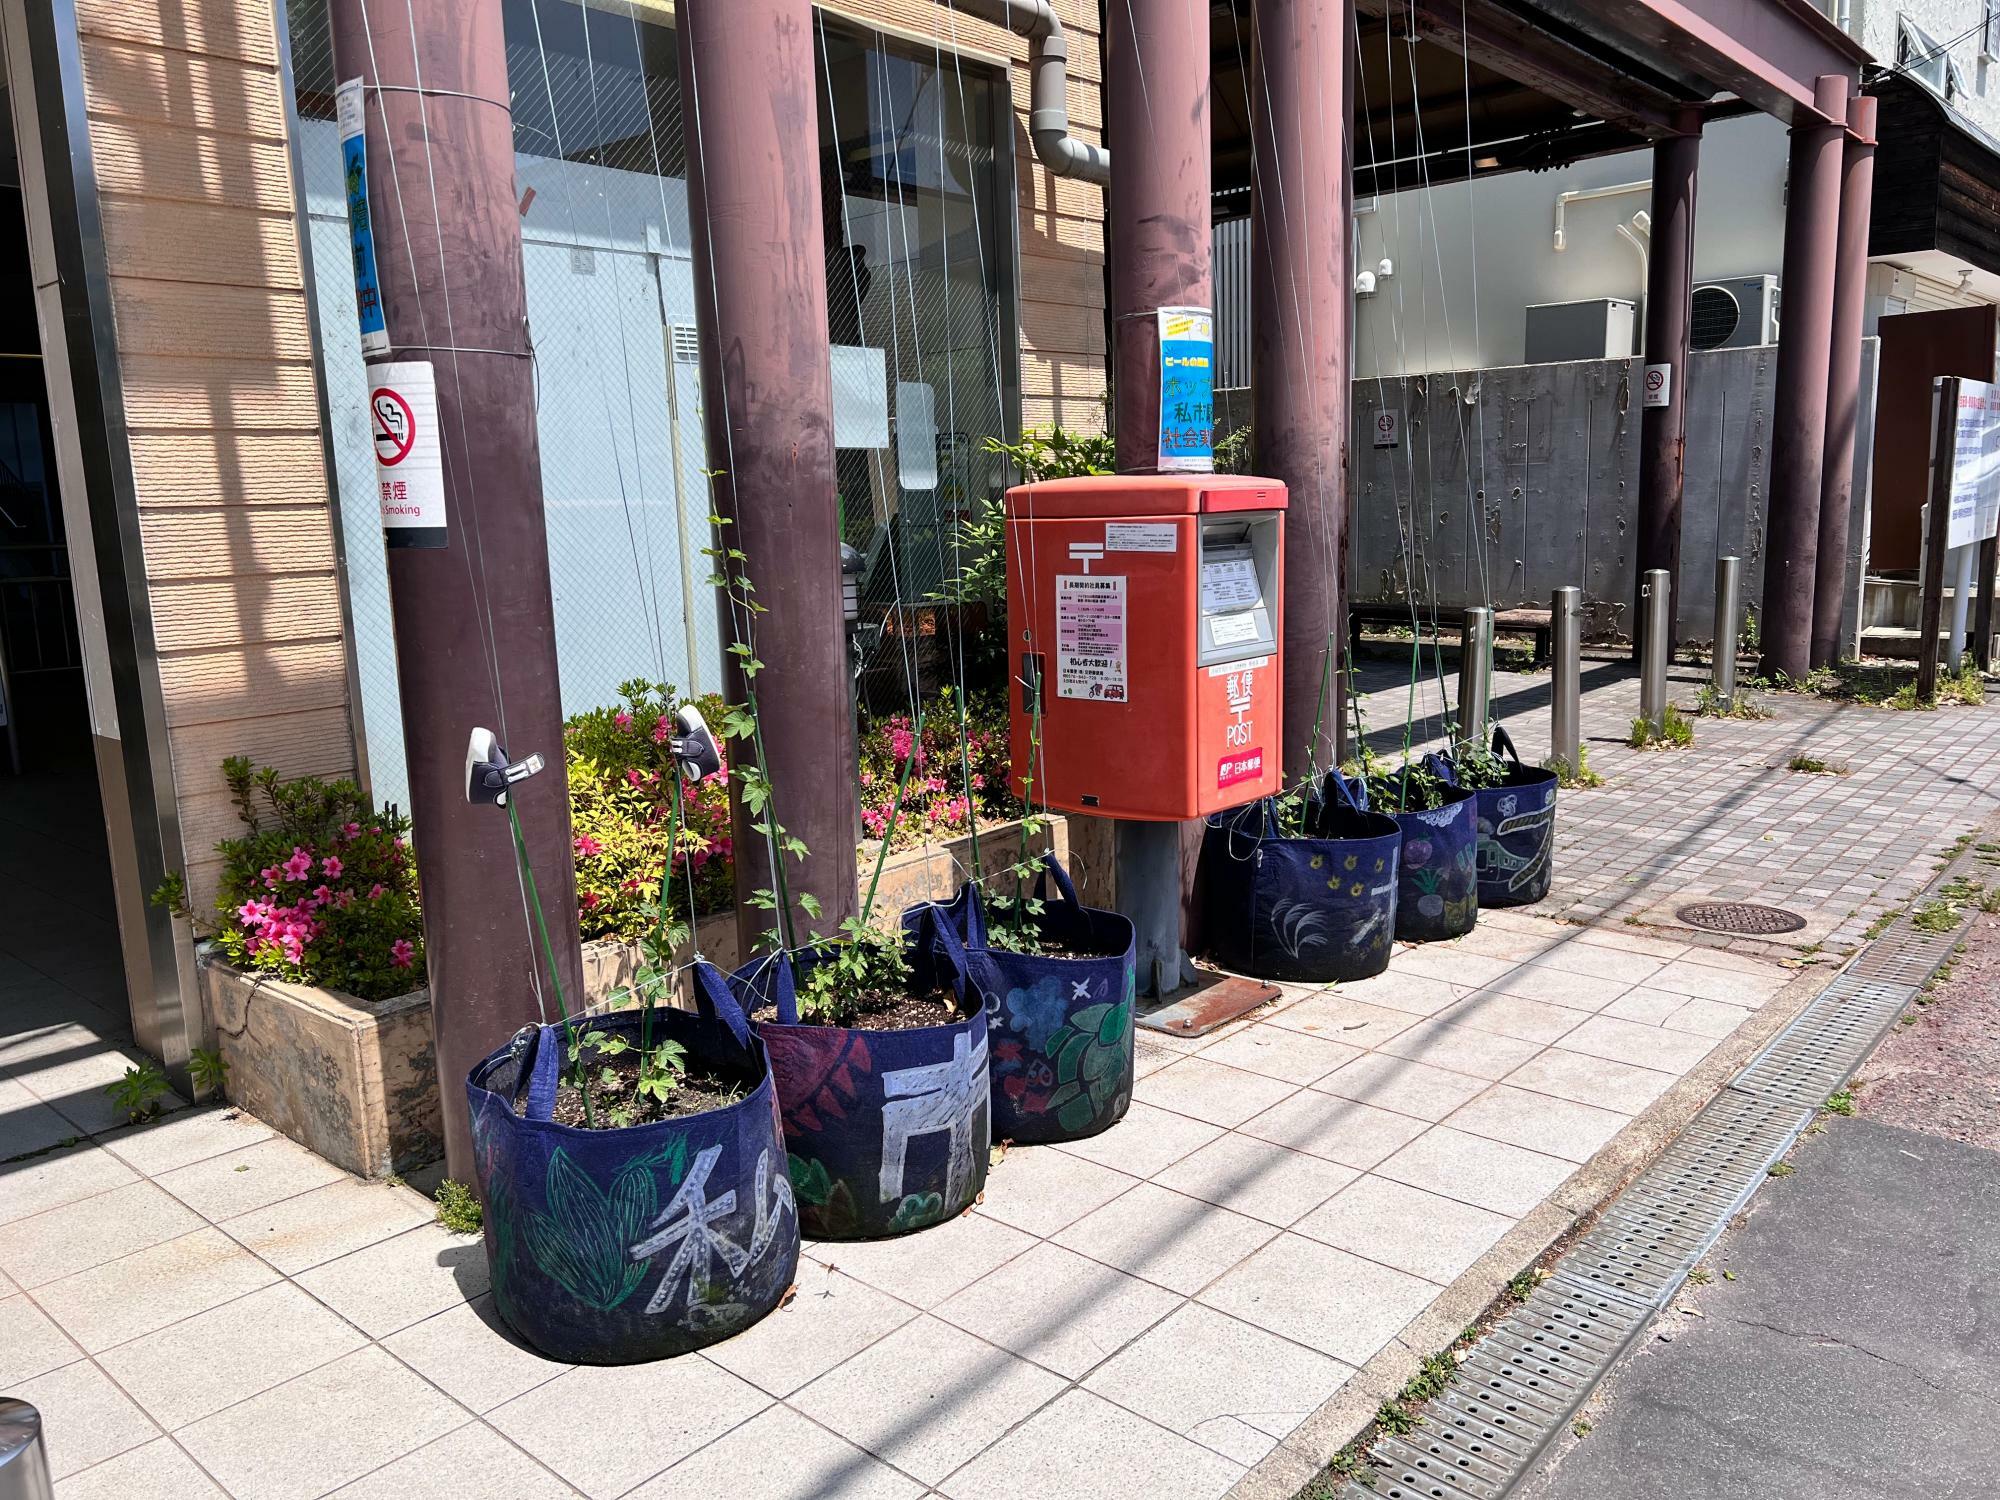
x=1388, y=428
x=1090, y=637
x=1659, y=385
x=1975, y=469
x=1141, y=536
x=916, y=435
x=860, y=397
x=409, y=453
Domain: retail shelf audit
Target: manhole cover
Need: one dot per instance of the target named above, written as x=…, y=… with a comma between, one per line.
x=1740, y=917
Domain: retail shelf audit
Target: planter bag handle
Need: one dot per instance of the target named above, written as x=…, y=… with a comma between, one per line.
x=1503, y=744
x=1441, y=767
x=541, y=1071
x=1065, y=887
x=785, y=986
x=1354, y=793
x=715, y=1001
x=937, y=933
x=975, y=916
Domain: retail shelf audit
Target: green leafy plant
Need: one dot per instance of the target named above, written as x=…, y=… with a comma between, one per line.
x=862, y=963
x=1675, y=731
x=1579, y=777
x=1750, y=640
x=1710, y=704
x=458, y=1208
x=209, y=1069
x=1056, y=453
x=1232, y=454
x=1812, y=765
x=1409, y=787
x=1841, y=1103
x=140, y=1091
x=1780, y=1169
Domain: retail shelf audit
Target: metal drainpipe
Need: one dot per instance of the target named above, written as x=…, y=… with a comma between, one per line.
x=1048, y=95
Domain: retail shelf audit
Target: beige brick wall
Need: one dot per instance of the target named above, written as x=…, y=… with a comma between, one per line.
x=187, y=129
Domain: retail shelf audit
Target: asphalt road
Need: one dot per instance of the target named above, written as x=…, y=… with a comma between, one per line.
x=1852, y=1349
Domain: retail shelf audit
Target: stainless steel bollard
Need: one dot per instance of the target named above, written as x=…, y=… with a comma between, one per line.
x=1656, y=598
x=1728, y=621
x=1475, y=676
x=24, y=1467
x=1565, y=706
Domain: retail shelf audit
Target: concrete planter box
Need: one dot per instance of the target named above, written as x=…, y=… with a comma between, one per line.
x=355, y=1081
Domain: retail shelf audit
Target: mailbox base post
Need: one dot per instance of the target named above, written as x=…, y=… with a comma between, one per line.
x=1148, y=861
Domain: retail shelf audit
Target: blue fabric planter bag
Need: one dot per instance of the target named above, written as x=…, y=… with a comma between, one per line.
x=614, y=1246
x=1060, y=1033
x=1517, y=830
x=1437, y=892
x=886, y=1131
x=1310, y=909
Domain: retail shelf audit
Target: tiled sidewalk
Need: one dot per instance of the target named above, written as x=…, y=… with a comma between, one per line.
x=202, y=1309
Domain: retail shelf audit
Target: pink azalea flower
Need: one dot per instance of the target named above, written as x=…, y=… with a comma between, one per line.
x=402, y=952
x=299, y=865
x=633, y=778
x=375, y=892
x=351, y=830
x=331, y=867
x=588, y=846
x=622, y=719
x=661, y=730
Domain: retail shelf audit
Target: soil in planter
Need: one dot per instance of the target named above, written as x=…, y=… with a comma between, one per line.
x=899, y=1010
x=617, y=1104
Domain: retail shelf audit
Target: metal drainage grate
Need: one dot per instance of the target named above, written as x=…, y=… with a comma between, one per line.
x=1522, y=1382
x=1740, y=918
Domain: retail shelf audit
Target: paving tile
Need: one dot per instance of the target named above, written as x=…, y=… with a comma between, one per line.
x=1344, y=1130
x=779, y=1455
x=1321, y=1297
x=471, y=1463
x=1592, y=1080
x=89, y=1232
x=181, y=1139
x=1461, y=1049
x=1253, y=1177
x=1405, y=1228
x=1453, y=964
x=1338, y=1018
x=221, y=1187
x=127, y=1298
x=1515, y=1016
x=1487, y=1174
x=270, y=1335
x=1146, y=1141
x=319, y=1430
x=831, y=1318
x=85, y=1418
x=1639, y=1045
x=639, y=1419
x=159, y=1470
x=1209, y=1091
x=46, y=1182
x=1276, y=1052
x=27, y=1124
x=1602, y=963
x=1647, y=1007
x=1561, y=987
x=924, y=1269
x=927, y=1398
x=30, y=1344
x=471, y=1355
x=296, y=1234
x=1165, y=1237
x=1149, y=1058
x=1540, y=1122
x=1224, y=1383
x=1041, y=1190
x=1396, y=1083
x=1084, y=1448
x=1731, y=986
x=1059, y=1309
x=75, y=1086
x=1411, y=994
x=402, y=1280
x=1509, y=942
x=1710, y=1018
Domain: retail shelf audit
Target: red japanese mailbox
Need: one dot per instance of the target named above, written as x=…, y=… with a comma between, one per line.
x=1144, y=625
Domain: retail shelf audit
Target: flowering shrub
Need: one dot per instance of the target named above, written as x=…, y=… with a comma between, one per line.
x=621, y=810
x=934, y=800
x=321, y=889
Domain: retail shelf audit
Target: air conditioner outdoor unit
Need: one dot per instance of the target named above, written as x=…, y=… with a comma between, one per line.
x=1736, y=314
x=1599, y=328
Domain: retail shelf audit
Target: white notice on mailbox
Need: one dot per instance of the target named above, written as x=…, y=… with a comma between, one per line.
x=1090, y=636
x=409, y=456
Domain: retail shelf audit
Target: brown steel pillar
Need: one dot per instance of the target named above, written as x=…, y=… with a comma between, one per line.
x=1669, y=297
x=1843, y=381
x=1298, y=331
x=1156, y=113
x=1798, y=421
x=750, y=117
x=475, y=628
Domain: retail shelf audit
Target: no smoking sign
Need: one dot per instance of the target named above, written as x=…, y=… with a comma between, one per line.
x=1658, y=385
x=409, y=459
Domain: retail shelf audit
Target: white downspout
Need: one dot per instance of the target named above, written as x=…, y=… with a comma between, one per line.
x=1048, y=92
x=1584, y=195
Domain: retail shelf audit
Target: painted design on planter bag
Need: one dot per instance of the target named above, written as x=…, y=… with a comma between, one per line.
x=580, y=1242
x=1038, y=1012
x=831, y=1204
x=947, y=1096
x=690, y=1223
x=1300, y=925
x=1496, y=860
x=1074, y=1071
x=819, y=1071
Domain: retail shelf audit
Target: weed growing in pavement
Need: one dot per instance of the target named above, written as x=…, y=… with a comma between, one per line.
x=1580, y=1427
x=1880, y=925
x=458, y=1208
x=1709, y=704
x=1841, y=1103
x=1701, y=1276
x=1676, y=731
x=1579, y=778
x=1812, y=765
x=1780, y=1169
x=139, y=1092
x=209, y=1069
